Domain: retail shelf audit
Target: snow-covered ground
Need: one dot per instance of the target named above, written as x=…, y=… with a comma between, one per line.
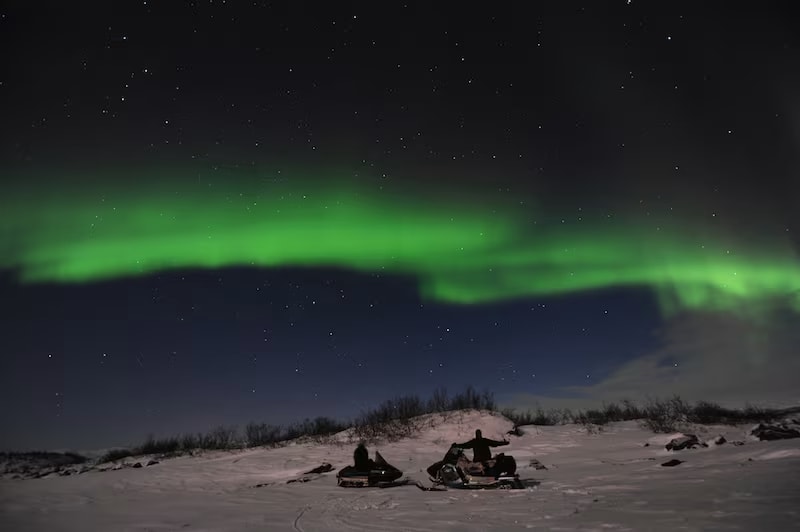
x=595, y=480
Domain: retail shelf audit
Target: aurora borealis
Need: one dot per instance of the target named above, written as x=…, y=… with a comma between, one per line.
x=213, y=213
x=458, y=251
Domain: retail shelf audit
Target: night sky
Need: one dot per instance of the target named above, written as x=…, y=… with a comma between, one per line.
x=219, y=212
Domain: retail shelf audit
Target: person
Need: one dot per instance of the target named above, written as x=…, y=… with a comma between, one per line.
x=361, y=458
x=480, y=447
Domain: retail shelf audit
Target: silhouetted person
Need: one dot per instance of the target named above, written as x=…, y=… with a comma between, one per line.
x=480, y=447
x=361, y=458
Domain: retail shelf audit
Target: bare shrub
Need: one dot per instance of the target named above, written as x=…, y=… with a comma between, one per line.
x=114, y=455
x=219, y=438
x=159, y=446
x=261, y=434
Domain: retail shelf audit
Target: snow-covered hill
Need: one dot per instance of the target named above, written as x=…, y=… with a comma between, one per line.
x=599, y=479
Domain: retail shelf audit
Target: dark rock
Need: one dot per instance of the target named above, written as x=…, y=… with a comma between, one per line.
x=137, y=465
x=516, y=431
x=774, y=432
x=43, y=473
x=324, y=468
x=537, y=464
x=737, y=443
x=672, y=463
x=646, y=445
x=687, y=441
x=720, y=440
x=65, y=473
x=152, y=462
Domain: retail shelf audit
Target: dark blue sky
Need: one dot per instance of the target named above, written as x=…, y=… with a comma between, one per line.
x=173, y=353
x=594, y=107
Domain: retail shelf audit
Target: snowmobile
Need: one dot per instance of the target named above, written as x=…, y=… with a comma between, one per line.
x=458, y=471
x=380, y=474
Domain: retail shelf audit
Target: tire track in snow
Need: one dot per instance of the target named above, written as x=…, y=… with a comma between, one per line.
x=296, y=525
x=371, y=510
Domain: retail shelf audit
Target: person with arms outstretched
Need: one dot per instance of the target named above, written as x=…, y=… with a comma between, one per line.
x=480, y=447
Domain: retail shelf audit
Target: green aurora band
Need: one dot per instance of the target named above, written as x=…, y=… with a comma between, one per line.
x=463, y=249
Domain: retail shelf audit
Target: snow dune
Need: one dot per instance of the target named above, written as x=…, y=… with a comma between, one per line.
x=603, y=479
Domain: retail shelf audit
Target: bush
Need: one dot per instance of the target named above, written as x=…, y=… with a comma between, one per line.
x=663, y=416
x=609, y=413
x=317, y=428
x=261, y=434
x=323, y=426
x=161, y=446
x=401, y=417
x=752, y=412
x=189, y=442
x=591, y=417
x=219, y=438
x=391, y=420
x=115, y=454
x=658, y=415
x=707, y=412
x=438, y=401
x=630, y=411
x=471, y=399
x=539, y=417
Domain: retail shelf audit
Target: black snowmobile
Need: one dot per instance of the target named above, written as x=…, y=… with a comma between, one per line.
x=458, y=471
x=380, y=474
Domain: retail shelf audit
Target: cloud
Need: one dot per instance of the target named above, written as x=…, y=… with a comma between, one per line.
x=703, y=356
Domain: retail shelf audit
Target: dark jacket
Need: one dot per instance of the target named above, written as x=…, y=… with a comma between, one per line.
x=480, y=448
x=361, y=459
